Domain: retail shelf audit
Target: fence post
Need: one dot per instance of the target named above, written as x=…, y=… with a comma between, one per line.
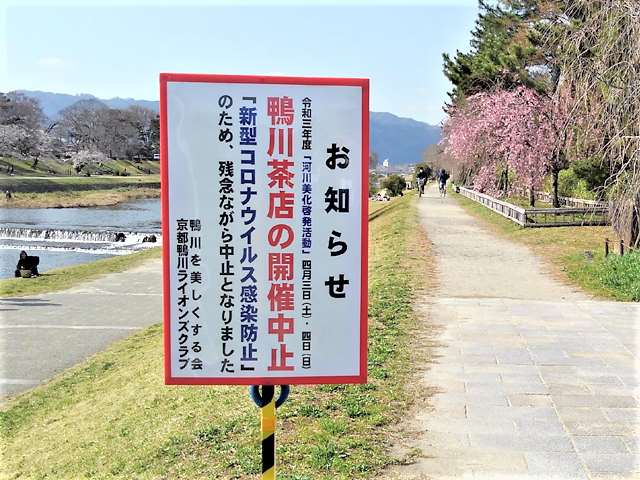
x=606, y=247
x=621, y=247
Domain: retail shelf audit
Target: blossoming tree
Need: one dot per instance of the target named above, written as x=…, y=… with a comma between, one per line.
x=518, y=130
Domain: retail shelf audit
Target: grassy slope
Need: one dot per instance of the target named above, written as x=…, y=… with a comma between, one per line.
x=565, y=247
x=51, y=166
x=375, y=206
x=46, y=166
x=66, y=184
x=112, y=417
x=92, y=198
x=57, y=192
x=62, y=278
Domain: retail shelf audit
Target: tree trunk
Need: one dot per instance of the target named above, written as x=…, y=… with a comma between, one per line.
x=532, y=197
x=506, y=181
x=554, y=175
x=635, y=225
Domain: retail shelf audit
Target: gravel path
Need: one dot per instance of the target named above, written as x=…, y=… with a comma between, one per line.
x=534, y=379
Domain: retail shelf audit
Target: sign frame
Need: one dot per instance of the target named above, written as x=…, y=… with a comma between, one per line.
x=361, y=377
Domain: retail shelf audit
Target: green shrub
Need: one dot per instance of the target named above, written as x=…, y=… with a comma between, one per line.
x=571, y=185
x=592, y=170
x=394, y=184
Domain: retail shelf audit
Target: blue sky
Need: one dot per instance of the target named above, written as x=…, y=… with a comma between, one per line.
x=117, y=48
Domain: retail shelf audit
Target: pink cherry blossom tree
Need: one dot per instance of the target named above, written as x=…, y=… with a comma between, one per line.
x=494, y=132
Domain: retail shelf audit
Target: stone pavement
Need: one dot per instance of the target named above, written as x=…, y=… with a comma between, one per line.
x=43, y=335
x=534, y=379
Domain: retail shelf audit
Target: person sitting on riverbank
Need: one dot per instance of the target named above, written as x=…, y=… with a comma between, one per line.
x=27, y=265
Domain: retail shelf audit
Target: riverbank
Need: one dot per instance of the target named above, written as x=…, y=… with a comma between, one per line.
x=83, y=198
x=41, y=184
x=55, y=167
x=132, y=421
x=63, y=192
x=63, y=278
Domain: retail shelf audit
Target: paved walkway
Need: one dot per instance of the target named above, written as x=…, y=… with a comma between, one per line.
x=42, y=335
x=535, y=380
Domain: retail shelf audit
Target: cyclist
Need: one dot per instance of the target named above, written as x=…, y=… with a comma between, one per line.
x=442, y=182
x=422, y=176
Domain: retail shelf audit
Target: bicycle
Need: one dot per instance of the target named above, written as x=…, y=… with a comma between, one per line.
x=420, y=188
x=443, y=190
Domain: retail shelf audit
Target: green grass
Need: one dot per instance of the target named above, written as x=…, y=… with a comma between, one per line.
x=614, y=277
x=524, y=202
x=375, y=206
x=112, y=417
x=565, y=248
x=144, y=167
x=25, y=167
x=60, y=192
x=52, y=167
x=623, y=273
x=81, y=198
x=67, y=184
x=63, y=278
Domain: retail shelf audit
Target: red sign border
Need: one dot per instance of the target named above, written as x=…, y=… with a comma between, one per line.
x=165, y=78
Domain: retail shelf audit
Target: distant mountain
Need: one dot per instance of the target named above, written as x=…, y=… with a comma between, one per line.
x=401, y=140
x=53, y=103
x=118, y=102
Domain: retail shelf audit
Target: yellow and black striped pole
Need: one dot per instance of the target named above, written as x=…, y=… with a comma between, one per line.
x=268, y=404
x=268, y=430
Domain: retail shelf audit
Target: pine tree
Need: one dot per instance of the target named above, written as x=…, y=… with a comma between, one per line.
x=503, y=54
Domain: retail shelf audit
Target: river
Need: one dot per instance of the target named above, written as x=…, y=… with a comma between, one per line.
x=68, y=236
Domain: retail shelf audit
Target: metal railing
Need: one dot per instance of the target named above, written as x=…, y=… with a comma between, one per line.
x=512, y=212
x=541, y=217
x=566, y=217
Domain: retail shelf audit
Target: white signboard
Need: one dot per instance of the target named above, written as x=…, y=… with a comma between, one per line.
x=264, y=219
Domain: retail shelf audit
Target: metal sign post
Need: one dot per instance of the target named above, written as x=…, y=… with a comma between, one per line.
x=268, y=404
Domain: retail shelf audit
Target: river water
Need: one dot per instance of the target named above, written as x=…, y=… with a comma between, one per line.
x=68, y=236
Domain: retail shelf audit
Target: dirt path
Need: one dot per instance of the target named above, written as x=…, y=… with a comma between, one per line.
x=535, y=379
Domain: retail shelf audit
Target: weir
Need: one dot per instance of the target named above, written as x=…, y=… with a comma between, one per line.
x=60, y=235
